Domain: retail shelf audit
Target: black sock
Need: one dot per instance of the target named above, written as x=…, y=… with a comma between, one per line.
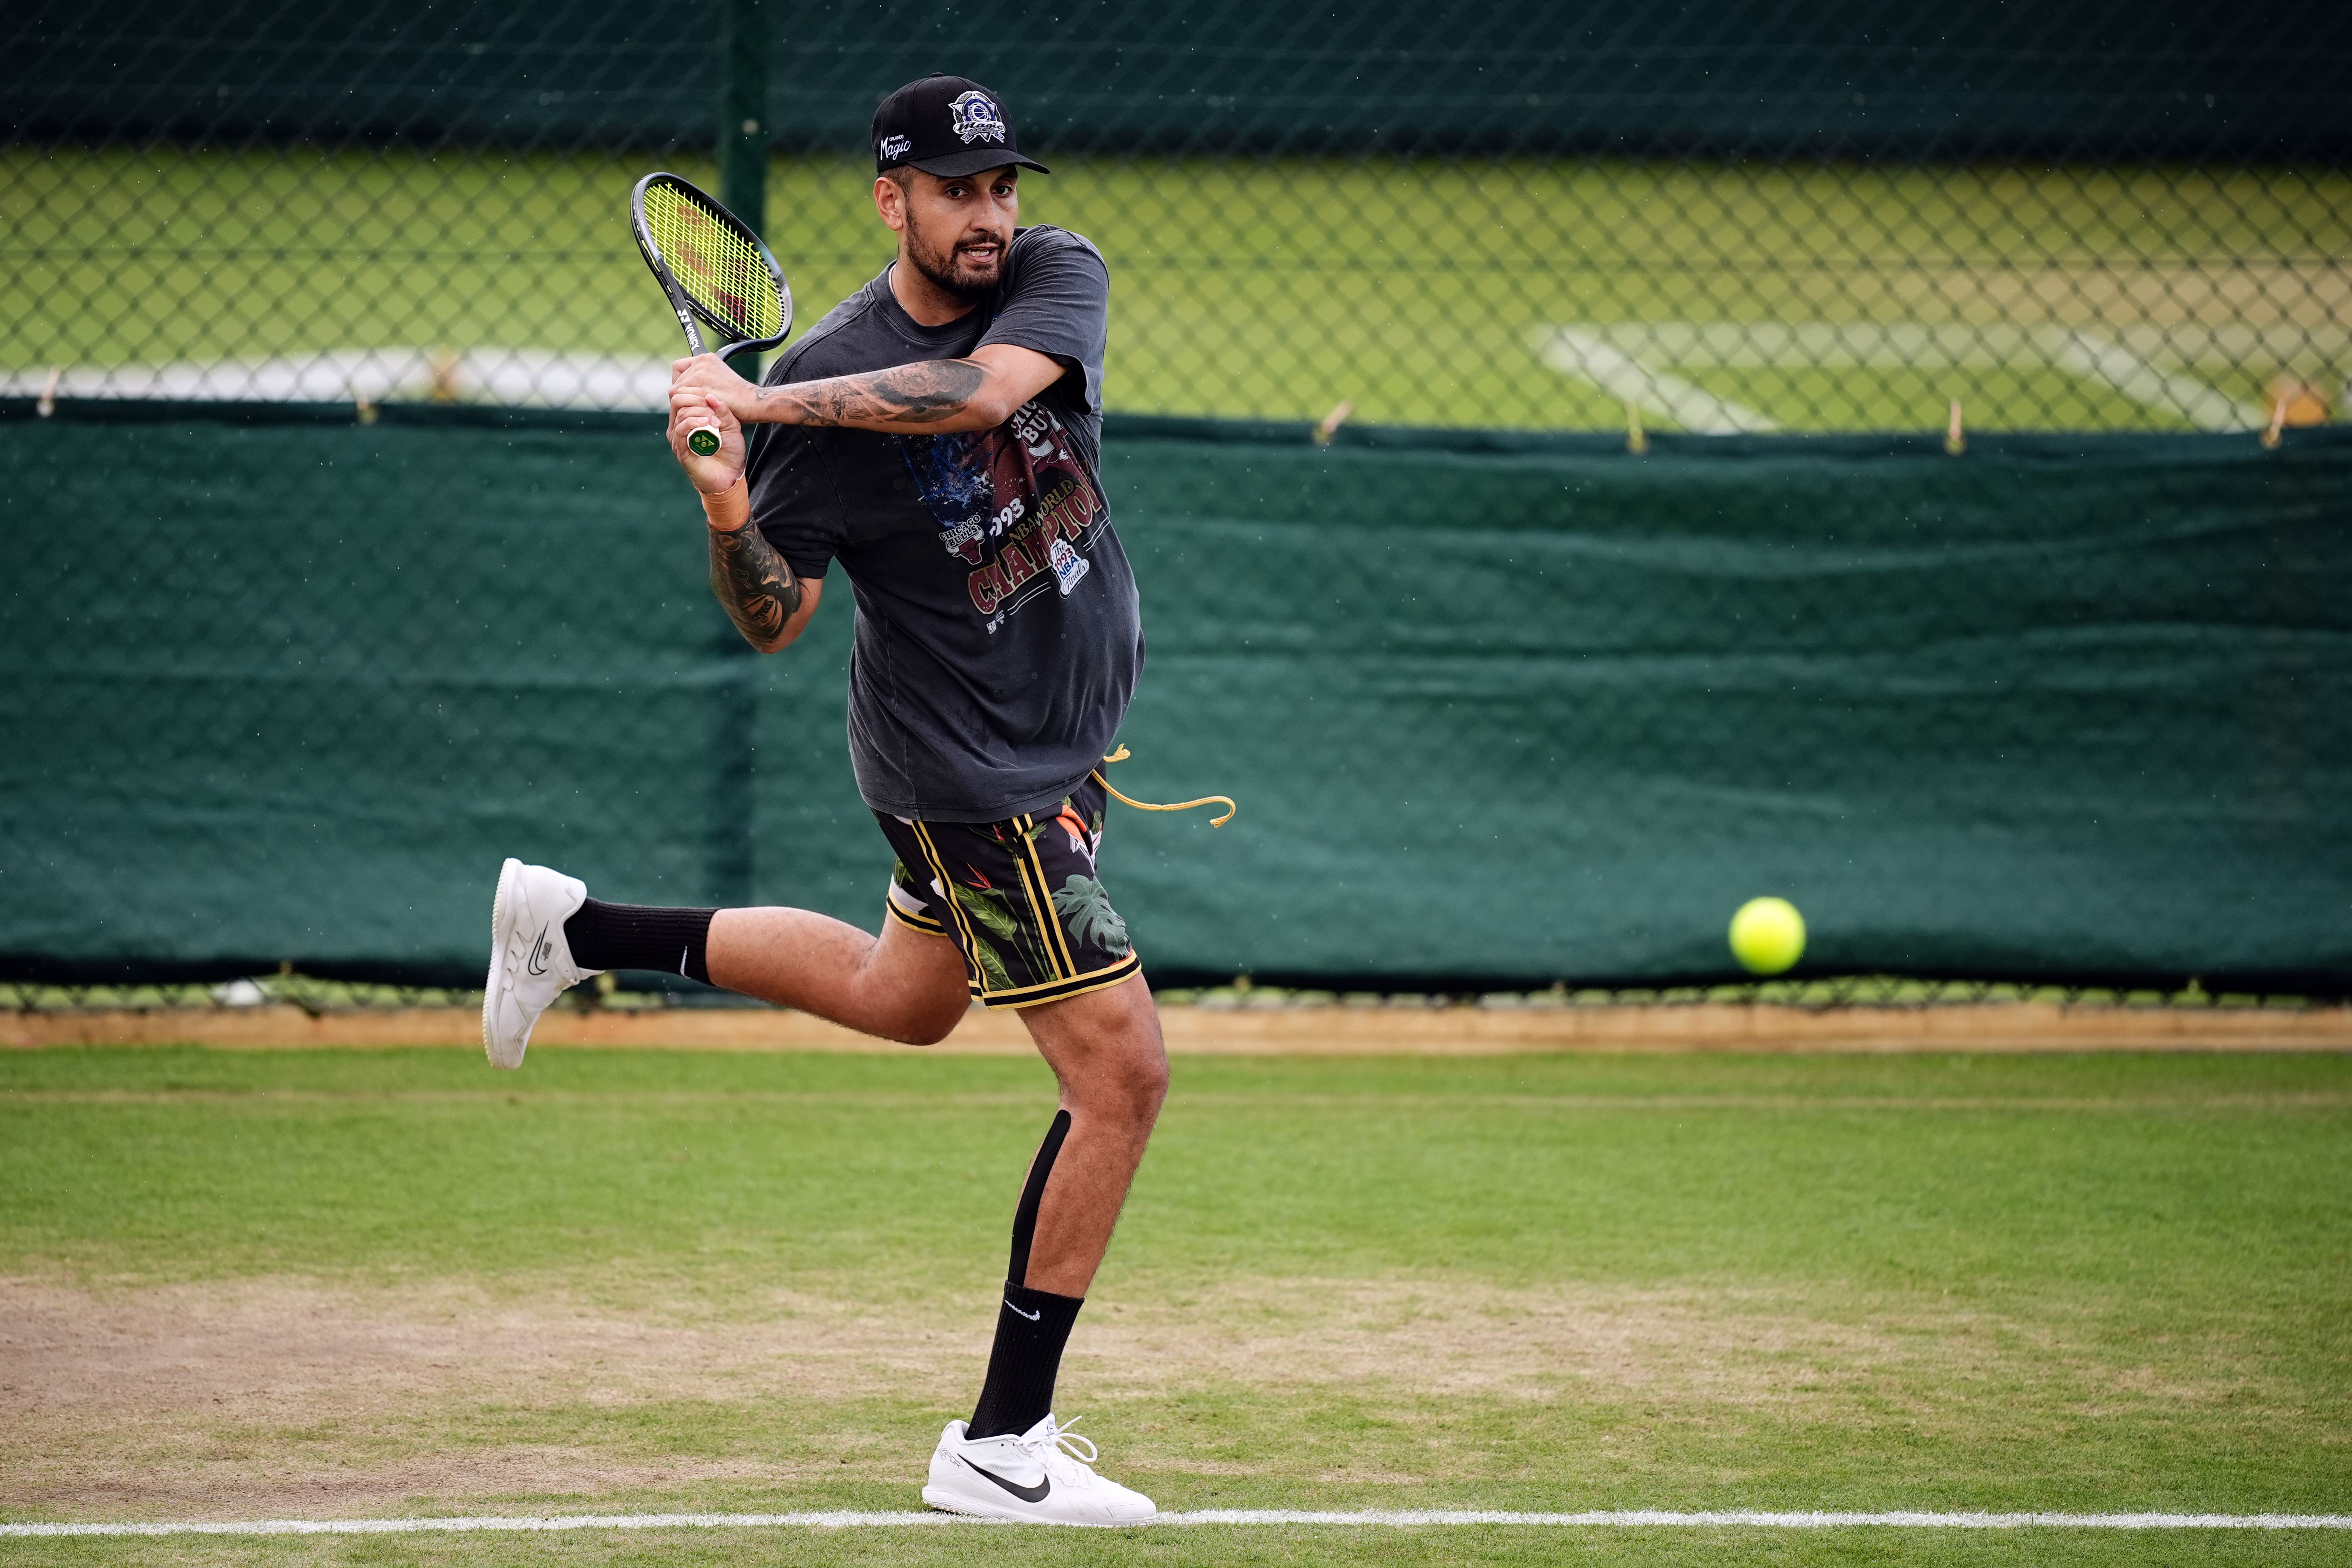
x=640, y=936
x=1031, y=1326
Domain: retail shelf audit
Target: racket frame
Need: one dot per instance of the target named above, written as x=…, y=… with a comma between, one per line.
x=682, y=303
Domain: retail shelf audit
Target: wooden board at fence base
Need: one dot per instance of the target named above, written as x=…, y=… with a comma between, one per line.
x=1272, y=1031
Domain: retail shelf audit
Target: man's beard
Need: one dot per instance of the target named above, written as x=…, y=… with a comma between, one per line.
x=943, y=270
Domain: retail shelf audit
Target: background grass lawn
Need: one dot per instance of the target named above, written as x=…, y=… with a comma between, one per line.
x=244, y=1283
x=1269, y=289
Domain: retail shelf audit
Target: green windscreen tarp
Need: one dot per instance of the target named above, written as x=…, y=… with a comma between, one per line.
x=1496, y=709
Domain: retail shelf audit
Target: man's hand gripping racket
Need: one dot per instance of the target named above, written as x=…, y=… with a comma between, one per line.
x=714, y=269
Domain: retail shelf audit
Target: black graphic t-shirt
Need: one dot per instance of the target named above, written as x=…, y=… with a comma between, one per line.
x=998, y=638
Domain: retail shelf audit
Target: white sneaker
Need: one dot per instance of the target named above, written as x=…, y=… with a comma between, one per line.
x=1041, y=1477
x=531, y=962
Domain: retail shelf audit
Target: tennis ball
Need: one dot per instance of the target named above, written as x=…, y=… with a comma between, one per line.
x=1768, y=935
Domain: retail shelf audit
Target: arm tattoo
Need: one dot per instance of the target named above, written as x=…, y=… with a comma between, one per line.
x=927, y=393
x=754, y=586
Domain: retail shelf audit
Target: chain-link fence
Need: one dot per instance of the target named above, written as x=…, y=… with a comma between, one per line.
x=1743, y=218
x=1503, y=712
x=1512, y=714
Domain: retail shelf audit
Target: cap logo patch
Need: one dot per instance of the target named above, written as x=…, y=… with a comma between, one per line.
x=895, y=147
x=977, y=118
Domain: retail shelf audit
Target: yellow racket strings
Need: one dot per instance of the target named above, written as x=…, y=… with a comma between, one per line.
x=721, y=272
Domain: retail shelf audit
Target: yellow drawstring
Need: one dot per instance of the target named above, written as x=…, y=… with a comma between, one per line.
x=1225, y=800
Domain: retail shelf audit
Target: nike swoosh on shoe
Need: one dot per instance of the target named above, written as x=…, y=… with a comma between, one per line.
x=1026, y=1494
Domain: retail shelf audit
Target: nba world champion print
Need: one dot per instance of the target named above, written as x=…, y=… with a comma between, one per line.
x=1014, y=504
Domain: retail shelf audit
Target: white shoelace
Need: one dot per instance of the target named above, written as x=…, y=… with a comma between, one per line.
x=1057, y=1435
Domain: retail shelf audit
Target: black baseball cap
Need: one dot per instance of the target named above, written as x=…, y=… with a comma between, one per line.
x=948, y=126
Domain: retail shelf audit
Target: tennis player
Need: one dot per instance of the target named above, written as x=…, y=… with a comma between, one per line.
x=938, y=435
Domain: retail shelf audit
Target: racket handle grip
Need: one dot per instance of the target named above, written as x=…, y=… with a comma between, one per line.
x=703, y=440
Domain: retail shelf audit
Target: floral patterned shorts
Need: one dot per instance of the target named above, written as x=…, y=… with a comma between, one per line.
x=1019, y=898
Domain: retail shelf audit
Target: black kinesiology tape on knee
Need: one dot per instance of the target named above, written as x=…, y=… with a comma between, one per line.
x=1032, y=1193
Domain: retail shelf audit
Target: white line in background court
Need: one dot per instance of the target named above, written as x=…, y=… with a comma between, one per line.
x=1642, y=1519
x=2168, y=369
x=1659, y=394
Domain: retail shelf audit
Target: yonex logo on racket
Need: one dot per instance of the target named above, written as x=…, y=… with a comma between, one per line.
x=976, y=117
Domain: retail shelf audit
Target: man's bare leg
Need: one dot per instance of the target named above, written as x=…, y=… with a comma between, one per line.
x=902, y=986
x=1105, y=1049
x=548, y=934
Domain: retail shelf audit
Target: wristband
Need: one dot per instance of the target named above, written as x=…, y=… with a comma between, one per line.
x=730, y=509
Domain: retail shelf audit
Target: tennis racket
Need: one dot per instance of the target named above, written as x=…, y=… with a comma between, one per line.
x=711, y=267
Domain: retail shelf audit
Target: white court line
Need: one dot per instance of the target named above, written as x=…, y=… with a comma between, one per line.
x=1383, y=1518
x=2094, y=358
x=511, y=377
x=1619, y=374
x=2148, y=367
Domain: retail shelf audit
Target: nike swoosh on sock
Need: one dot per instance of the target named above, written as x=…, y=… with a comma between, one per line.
x=1033, y=1317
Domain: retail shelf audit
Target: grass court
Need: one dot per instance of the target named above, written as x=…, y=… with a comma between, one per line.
x=246, y=1284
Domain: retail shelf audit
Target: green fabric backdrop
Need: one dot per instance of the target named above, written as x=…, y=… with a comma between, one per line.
x=1497, y=709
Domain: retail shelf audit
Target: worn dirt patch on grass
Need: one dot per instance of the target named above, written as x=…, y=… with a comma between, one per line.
x=297, y=1398
x=305, y=1398
x=1451, y=1340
